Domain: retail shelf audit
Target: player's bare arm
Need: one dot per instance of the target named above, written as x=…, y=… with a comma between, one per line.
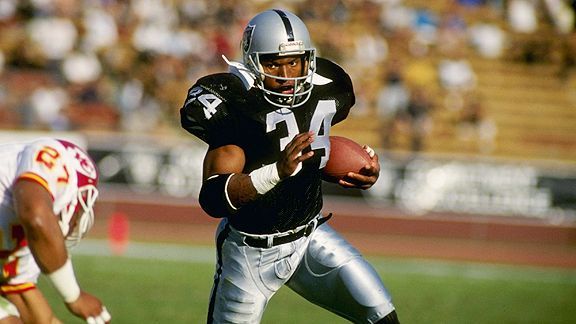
x=222, y=160
x=367, y=177
x=34, y=207
x=46, y=241
x=230, y=159
x=33, y=204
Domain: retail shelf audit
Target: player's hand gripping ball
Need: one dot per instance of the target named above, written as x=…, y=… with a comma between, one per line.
x=345, y=156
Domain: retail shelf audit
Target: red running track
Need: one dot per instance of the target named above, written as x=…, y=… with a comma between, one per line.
x=374, y=231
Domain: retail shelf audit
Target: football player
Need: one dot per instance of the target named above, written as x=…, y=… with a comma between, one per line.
x=267, y=123
x=47, y=193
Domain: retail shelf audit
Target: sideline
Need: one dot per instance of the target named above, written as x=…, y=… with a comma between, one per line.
x=140, y=250
x=396, y=266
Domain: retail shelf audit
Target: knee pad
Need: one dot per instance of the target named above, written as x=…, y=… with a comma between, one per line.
x=335, y=276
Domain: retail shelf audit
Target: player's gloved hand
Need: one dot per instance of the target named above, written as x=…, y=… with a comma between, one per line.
x=90, y=308
x=368, y=174
x=291, y=158
x=103, y=318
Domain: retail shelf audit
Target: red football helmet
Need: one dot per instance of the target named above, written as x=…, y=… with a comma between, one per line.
x=79, y=163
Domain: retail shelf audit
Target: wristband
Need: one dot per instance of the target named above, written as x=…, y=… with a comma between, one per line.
x=65, y=283
x=265, y=178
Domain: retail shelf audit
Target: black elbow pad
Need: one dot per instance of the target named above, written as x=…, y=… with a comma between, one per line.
x=214, y=198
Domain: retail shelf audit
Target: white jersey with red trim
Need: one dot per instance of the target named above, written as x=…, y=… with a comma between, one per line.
x=44, y=161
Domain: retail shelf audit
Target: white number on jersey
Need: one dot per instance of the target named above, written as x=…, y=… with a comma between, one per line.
x=208, y=100
x=320, y=125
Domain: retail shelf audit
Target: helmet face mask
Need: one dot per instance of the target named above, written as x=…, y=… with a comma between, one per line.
x=301, y=84
x=78, y=217
x=82, y=214
x=281, y=34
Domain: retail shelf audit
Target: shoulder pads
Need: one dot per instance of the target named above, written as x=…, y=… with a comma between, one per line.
x=208, y=111
x=339, y=88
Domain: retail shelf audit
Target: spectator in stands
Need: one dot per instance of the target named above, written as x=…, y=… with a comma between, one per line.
x=100, y=29
x=457, y=78
x=475, y=125
x=567, y=57
x=488, y=39
x=8, y=9
x=52, y=36
x=421, y=70
x=8, y=117
x=472, y=3
x=572, y=4
x=371, y=49
x=395, y=16
x=522, y=16
x=452, y=29
x=81, y=68
x=49, y=103
x=561, y=14
x=412, y=120
x=330, y=11
x=425, y=27
x=89, y=108
x=418, y=115
x=456, y=74
x=125, y=36
x=392, y=101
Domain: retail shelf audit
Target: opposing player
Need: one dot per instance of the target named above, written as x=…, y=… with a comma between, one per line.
x=47, y=192
x=267, y=123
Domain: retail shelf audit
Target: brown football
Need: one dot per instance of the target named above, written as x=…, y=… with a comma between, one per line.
x=345, y=156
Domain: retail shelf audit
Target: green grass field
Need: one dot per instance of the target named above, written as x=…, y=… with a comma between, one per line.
x=170, y=284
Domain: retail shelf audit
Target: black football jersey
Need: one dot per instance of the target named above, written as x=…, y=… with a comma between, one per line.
x=221, y=111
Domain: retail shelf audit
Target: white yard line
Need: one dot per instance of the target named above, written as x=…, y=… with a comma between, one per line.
x=158, y=251
x=431, y=268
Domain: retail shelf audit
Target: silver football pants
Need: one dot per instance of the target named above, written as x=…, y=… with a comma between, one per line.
x=323, y=268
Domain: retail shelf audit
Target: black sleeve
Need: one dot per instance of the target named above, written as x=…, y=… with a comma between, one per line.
x=207, y=114
x=340, y=88
x=213, y=196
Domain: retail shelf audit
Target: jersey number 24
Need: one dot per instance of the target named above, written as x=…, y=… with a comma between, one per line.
x=320, y=123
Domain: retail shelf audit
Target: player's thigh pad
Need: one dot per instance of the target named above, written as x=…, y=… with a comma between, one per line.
x=335, y=276
x=249, y=277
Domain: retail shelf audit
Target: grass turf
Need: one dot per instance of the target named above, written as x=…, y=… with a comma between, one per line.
x=171, y=285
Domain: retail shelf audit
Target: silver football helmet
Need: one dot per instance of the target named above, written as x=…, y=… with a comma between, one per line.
x=279, y=32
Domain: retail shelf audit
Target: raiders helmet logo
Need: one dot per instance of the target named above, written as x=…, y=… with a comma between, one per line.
x=247, y=37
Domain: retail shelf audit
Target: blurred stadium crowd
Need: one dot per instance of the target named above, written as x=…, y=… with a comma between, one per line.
x=125, y=66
